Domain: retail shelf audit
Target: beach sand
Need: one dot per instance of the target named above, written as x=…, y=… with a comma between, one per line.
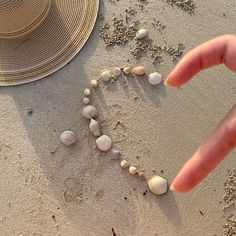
x=49, y=189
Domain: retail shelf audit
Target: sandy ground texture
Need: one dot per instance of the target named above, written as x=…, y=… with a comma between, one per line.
x=49, y=189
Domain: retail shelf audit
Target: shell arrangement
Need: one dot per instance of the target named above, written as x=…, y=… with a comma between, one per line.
x=156, y=184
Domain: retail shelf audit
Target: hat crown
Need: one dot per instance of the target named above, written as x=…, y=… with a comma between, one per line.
x=19, y=17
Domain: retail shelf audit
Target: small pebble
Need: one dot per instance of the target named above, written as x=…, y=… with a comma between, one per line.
x=132, y=170
x=117, y=71
x=89, y=112
x=124, y=164
x=106, y=76
x=104, y=143
x=142, y=33
x=87, y=92
x=94, y=127
x=68, y=138
x=127, y=70
x=157, y=185
x=115, y=154
x=154, y=78
x=86, y=100
x=139, y=70
x=94, y=83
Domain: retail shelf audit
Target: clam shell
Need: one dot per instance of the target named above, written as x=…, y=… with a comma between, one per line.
x=154, y=78
x=133, y=170
x=139, y=70
x=106, y=76
x=68, y=138
x=117, y=71
x=124, y=164
x=86, y=100
x=127, y=70
x=104, y=143
x=142, y=33
x=94, y=127
x=157, y=185
x=87, y=92
x=94, y=83
x=89, y=111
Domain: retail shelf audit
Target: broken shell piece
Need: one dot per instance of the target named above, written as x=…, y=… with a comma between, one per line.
x=94, y=83
x=127, y=70
x=115, y=154
x=124, y=164
x=117, y=71
x=103, y=143
x=139, y=70
x=133, y=170
x=68, y=138
x=106, y=76
x=142, y=33
x=94, y=127
x=157, y=185
x=87, y=92
x=86, y=100
x=89, y=111
x=154, y=78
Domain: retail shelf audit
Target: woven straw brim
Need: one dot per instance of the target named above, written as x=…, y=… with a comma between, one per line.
x=49, y=47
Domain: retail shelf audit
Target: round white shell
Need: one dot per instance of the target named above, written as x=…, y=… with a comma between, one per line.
x=106, y=76
x=94, y=83
x=86, y=100
x=94, y=127
x=132, y=170
x=154, y=78
x=68, y=138
x=117, y=71
x=142, y=33
x=157, y=185
x=124, y=164
x=89, y=111
x=87, y=92
x=104, y=143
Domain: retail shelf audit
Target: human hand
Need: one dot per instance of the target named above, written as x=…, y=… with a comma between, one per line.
x=223, y=139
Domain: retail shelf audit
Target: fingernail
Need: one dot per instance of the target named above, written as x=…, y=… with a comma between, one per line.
x=166, y=82
x=172, y=188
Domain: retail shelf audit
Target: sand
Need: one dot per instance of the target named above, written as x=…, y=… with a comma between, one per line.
x=48, y=189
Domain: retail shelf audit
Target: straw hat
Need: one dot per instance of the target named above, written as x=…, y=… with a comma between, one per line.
x=37, y=37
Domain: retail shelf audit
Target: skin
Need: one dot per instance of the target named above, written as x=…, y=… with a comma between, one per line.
x=223, y=138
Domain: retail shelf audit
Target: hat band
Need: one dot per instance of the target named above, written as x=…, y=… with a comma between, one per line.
x=30, y=27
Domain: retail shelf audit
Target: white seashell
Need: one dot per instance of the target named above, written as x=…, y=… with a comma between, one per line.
x=115, y=154
x=94, y=127
x=154, y=78
x=68, y=137
x=89, y=111
x=124, y=164
x=139, y=70
x=94, y=83
x=132, y=170
x=86, y=100
x=87, y=92
x=106, y=76
x=117, y=71
x=103, y=143
x=142, y=33
x=157, y=185
x=127, y=70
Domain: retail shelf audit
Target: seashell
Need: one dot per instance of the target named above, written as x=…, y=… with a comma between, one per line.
x=94, y=127
x=94, y=83
x=103, y=143
x=89, y=111
x=68, y=138
x=124, y=164
x=87, y=92
x=157, y=185
x=154, y=78
x=106, y=76
x=117, y=71
x=142, y=33
x=115, y=154
x=127, y=70
x=132, y=170
x=86, y=100
x=139, y=70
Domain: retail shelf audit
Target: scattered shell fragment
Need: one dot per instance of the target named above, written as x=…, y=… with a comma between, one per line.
x=117, y=71
x=142, y=33
x=94, y=127
x=94, y=83
x=103, y=143
x=133, y=170
x=139, y=70
x=127, y=70
x=86, y=100
x=115, y=154
x=89, y=111
x=68, y=138
x=157, y=185
x=106, y=76
x=154, y=78
x=124, y=164
x=87, y=92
